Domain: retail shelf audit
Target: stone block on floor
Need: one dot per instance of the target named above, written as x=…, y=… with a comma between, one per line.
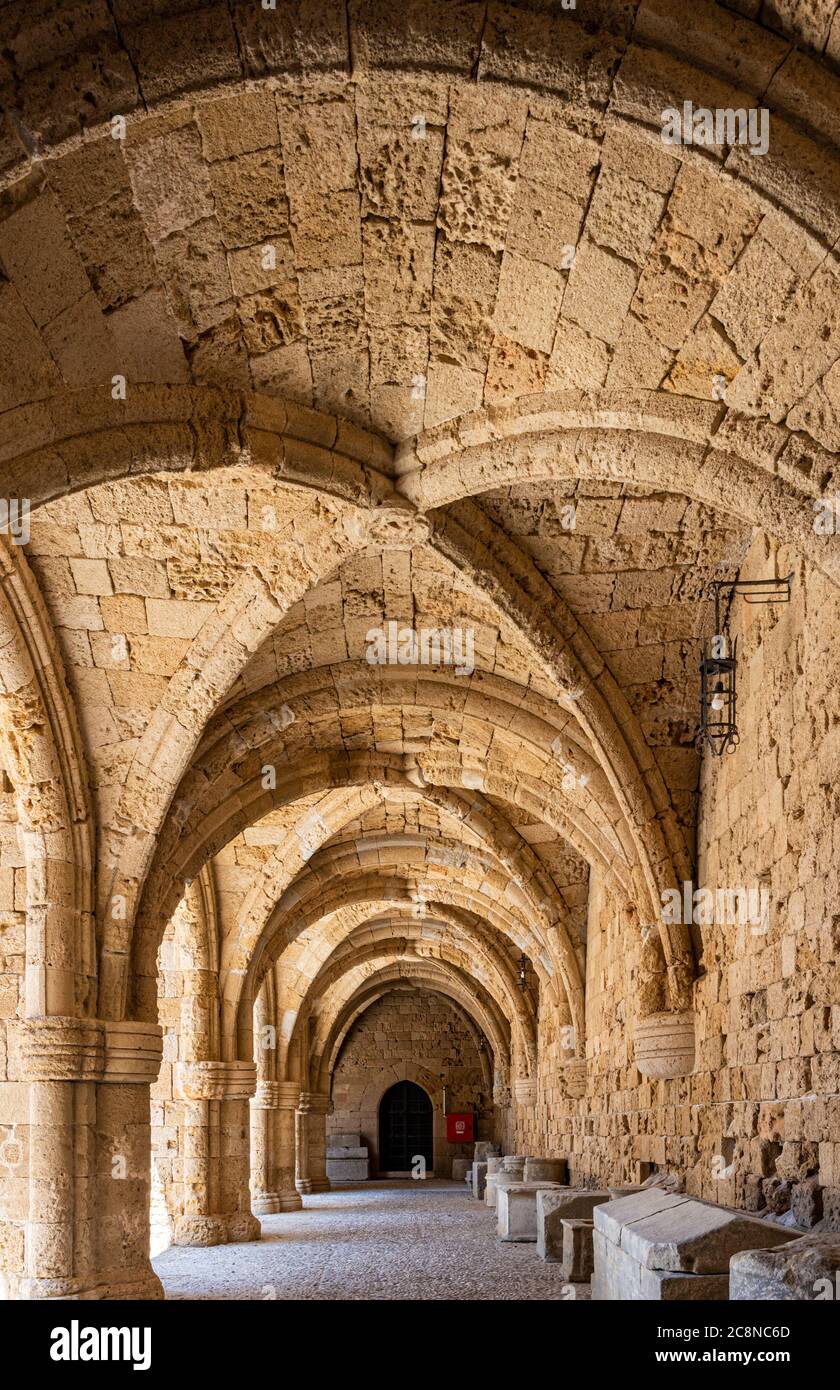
x=478, y=1177
x=341, y=1170
x=617, y=1276
x=516, y=1209
x=460, y=1169
x=805, y=1270
x=546, y=1170
x=553, y=1207
x=659, y=1245
x=490, y=1182
x=578, y=1259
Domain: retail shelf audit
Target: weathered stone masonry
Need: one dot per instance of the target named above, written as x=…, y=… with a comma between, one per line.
x=327, y=318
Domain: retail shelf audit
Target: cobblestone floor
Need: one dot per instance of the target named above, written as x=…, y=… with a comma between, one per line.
x=396, y=1240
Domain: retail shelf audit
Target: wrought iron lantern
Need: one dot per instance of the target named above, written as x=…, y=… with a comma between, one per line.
x=719, y=666
x=718, y=694
x=523, y=973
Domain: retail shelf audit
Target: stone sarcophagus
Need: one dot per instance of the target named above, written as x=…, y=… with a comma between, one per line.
x=664, y=1246
x=348, y=1159
x=806, y=1270
x=477, y=1179
x=555, y=1207
x=516, y=1208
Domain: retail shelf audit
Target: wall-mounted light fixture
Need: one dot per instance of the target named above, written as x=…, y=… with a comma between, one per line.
x=523, y=973
x=718, y=667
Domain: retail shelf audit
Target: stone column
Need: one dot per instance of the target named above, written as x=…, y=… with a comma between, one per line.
x=273, y=1147
x=311, y=1132
x=217, y=1204
x=89, y=1170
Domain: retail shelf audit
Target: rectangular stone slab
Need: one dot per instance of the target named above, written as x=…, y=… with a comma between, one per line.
x=553, y=1207
x=615, y=1214
x=516, y=1209
x=618, y=1277
x=479, y=1178
x=578, y=1254
x=337, y=1151
x=697, y=1237
x=347, y=1169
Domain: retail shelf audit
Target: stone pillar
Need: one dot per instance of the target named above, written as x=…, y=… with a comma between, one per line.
x=311, y=1132
x=217, y=1204
x=273, y=1147
x=89, y=1143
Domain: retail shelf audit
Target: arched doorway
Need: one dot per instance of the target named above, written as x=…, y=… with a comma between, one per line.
x=405, y=1128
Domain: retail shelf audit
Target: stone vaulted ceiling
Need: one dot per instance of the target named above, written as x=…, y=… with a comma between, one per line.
x=322, y=318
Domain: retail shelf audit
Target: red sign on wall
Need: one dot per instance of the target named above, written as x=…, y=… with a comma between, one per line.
x=459, y=1128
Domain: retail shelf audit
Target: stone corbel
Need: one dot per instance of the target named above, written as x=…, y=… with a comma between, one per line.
x=663, y=1044
x=215, y=1080
x=525, y=1091
x=573, y=1077
x=394, y=526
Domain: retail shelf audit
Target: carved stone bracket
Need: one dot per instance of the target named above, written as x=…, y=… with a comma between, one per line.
x=392, y=527
x=573, y=1077
x=664, y=1044
x=525, y=1091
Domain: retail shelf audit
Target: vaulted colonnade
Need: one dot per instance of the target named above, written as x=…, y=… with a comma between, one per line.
x=348, y=663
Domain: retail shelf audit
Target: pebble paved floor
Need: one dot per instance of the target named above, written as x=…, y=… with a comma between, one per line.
x=396, y=1240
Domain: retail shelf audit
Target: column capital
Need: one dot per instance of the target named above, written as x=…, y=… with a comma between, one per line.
x=276, y=1095
x=215, y=1080
x=313, y=1103
x=58, y=1048
x=133, y=1051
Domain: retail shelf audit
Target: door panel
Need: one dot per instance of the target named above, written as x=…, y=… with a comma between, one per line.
x=405, y=1128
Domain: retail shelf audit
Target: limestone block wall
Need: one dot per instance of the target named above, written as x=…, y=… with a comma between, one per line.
x=758, y=1121
x=415, y=1036
x=770, y=1023
x=543, y=1129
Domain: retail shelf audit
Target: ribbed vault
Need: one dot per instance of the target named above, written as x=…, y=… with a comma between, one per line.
x=323, y=324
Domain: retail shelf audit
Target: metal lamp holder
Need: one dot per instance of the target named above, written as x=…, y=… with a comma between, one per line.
x=718, y=667
x=523, y=973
